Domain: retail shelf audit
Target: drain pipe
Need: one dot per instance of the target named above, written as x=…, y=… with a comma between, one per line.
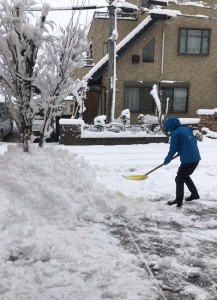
x=162, y=54
x=162, y=64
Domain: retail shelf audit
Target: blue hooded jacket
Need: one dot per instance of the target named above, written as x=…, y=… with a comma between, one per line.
x=182, y=141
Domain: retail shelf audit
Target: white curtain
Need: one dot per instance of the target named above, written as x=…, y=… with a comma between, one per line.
x=180, y=98
x=132, y=99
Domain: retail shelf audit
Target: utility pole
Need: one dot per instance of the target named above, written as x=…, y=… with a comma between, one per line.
x=111, y=61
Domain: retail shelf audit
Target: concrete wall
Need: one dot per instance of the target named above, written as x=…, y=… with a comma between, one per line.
x=71, y=135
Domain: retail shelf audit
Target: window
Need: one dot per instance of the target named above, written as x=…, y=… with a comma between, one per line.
x=194, y=41
x=148, y=52
x=177, y=99
x=139, y=99
x=105, y=48
x=89, y=56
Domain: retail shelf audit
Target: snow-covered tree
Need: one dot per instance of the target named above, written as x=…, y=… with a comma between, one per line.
x=19, y=45
x=59, y=58
x=32, y=59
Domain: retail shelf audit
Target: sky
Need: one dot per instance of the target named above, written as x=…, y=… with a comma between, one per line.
x=72, y=227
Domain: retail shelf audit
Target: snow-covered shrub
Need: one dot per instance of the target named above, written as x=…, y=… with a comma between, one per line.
x=100, y=120
x=140, y=119
x=147, y=119
x=125, y=117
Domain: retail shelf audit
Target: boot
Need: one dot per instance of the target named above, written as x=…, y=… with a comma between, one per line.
x=171, y=202
x=192, y=197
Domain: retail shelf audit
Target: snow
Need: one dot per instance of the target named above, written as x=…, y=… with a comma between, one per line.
x=209, y=133
x=196, y=3
x=123, y=4
x=191, y=121
x=71, y=121
x=59, y=206
x=207, y=111
x=154, y=93
x=168, y=12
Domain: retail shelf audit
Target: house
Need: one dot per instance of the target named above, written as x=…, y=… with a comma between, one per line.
x=69, y=105
x=172, y=45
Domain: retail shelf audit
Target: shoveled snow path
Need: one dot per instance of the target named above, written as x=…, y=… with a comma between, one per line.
x=179, y=245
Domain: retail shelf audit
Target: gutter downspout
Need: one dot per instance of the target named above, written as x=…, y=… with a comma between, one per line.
x=162, y=64
x=162, y=54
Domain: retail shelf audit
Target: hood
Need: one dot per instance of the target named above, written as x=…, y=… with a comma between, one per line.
x=172, y=123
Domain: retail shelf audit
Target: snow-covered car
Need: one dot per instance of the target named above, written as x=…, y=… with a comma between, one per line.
x=36, y=127
x=6, y=123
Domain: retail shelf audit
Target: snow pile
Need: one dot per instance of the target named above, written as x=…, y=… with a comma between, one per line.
x=43, y=176
x=209, y=133
x=53, y=245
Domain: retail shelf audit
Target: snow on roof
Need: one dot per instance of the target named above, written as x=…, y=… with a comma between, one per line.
x=124, y=5
x=168, y=12
x=198, y=4
x=119, y=46
x=207, y=111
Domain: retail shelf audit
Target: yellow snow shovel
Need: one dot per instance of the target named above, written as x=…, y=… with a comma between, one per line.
x=144, y=176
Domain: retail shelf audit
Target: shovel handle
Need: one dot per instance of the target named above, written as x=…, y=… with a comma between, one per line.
x=160, y=165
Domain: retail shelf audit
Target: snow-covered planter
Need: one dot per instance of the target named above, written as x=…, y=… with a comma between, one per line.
x=115, y=127
x=70, y=130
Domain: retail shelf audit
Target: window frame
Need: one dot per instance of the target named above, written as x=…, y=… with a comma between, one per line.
x=187, y=41
x=141, y=87
x=173, y=87
x=146, y=45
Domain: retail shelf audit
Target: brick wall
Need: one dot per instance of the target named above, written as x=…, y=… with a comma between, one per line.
x=196, y=70
x=209, y=121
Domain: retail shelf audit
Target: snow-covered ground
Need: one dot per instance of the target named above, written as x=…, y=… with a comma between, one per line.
x=73, y=228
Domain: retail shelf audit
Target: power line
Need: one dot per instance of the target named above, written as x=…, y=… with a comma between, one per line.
x=68, y=8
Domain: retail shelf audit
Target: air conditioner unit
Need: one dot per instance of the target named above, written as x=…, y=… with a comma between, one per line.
x=135, y=59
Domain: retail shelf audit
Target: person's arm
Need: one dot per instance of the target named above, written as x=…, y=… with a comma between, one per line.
x=173, y=148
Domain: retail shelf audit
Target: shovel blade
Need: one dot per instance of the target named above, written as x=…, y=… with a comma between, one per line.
x=136, y=177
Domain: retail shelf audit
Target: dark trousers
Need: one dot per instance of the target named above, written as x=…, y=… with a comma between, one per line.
x=183, y=177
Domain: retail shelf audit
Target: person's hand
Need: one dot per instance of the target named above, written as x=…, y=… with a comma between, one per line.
x=167, y=160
